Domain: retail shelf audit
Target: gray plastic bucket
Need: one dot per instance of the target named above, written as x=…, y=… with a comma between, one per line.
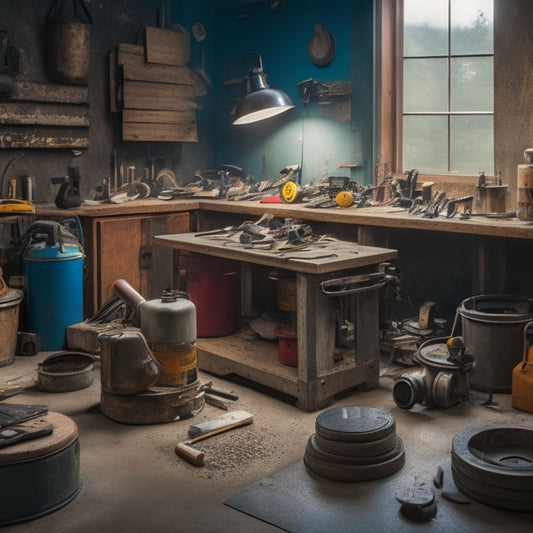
x=493, y=331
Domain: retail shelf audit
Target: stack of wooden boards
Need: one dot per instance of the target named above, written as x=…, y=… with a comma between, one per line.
x=154, y=89
x=39, y=115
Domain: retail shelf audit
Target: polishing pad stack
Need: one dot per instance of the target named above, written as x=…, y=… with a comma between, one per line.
x=354, y=444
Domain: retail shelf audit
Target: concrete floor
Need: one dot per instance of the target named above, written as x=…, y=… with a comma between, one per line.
x=133, y=481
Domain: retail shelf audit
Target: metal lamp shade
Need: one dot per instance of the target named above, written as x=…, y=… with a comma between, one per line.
x=260, y=101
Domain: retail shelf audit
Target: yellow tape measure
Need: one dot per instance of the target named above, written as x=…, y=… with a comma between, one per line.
x=344, y=199
x=290, y=192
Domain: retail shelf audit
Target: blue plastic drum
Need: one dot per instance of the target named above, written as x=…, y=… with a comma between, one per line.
x=54, y=285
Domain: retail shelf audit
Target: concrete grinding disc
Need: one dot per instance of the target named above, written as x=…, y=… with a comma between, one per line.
x=350, y=473
x=357, y=449
x=313, y=450
x=355, y=424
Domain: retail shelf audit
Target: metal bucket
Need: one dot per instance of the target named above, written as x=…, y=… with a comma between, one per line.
x=9, y=319
x=493, y=331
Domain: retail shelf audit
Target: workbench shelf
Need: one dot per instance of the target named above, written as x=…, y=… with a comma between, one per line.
x=317, y=378
x=258, y=361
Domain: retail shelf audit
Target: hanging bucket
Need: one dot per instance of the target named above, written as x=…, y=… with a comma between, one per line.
x=69, y=51
x=68, y=39
x=493, y=331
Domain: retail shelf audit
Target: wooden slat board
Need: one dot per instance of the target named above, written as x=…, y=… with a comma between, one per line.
x=160, y=117
x=47, y=114
x=167, y=47
x=136, y=131
x=44, y=115
x=27, y=137
x=148, y=95
x=154, y=89
x=134, y=67
x=47, y=92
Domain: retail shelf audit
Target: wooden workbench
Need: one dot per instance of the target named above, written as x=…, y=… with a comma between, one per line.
x=318, y=377
x=479, y=255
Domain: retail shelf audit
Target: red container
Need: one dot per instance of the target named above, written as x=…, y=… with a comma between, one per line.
x=213, y=286
x=287, y=345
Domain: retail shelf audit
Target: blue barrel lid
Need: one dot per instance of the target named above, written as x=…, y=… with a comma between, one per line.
x=43, y=251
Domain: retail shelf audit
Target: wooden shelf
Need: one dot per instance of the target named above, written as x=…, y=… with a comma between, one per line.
x=40, y=115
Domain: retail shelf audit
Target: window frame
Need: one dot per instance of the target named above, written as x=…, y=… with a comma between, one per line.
x=389, y=108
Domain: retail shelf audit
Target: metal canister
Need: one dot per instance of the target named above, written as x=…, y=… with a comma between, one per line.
x=169, y=326
x=525, y=187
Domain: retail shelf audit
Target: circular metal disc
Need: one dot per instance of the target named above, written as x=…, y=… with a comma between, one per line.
x=355, y=424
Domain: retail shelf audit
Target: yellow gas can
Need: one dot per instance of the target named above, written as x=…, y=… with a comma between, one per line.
x=522, y=381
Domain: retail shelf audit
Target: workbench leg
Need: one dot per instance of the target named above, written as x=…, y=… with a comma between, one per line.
x=367, y=333
x=316, y=342
x=246, y=290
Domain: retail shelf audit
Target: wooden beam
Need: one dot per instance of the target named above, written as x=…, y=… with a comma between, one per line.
x=46, y=114
x=48, y=92
x=22, y=137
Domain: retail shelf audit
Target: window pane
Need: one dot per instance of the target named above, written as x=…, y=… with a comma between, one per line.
x=425, y=30
x=425, y=142
x=472, y=84
x=471, y=27
x=471, y=144
x=425, y=85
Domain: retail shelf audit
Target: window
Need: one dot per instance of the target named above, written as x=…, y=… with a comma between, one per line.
x=447, y=115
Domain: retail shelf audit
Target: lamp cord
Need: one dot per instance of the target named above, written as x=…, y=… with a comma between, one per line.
x=302, y=149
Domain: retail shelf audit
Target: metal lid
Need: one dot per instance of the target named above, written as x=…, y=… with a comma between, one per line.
x=11, y=297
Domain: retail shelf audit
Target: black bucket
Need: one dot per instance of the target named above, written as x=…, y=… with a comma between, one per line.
x=493, y=331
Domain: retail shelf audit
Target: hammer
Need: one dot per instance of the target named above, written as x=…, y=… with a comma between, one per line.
x=207, y=429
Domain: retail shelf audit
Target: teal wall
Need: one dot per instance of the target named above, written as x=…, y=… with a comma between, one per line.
x=299, y=136
x=236, y=30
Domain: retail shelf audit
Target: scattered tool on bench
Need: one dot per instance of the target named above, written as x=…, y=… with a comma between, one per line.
x=207, y=429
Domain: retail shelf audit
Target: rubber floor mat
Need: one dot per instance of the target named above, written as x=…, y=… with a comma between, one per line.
x=297, y=501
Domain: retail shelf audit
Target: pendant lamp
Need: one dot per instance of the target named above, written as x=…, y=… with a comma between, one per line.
x=260, y=101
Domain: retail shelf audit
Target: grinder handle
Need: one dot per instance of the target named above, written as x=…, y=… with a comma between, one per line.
x=127, y=293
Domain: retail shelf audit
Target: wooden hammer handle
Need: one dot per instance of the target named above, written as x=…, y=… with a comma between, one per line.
x=196, y=457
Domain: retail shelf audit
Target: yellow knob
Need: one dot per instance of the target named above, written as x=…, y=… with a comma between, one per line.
x=344, y=199
x=289, y=192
